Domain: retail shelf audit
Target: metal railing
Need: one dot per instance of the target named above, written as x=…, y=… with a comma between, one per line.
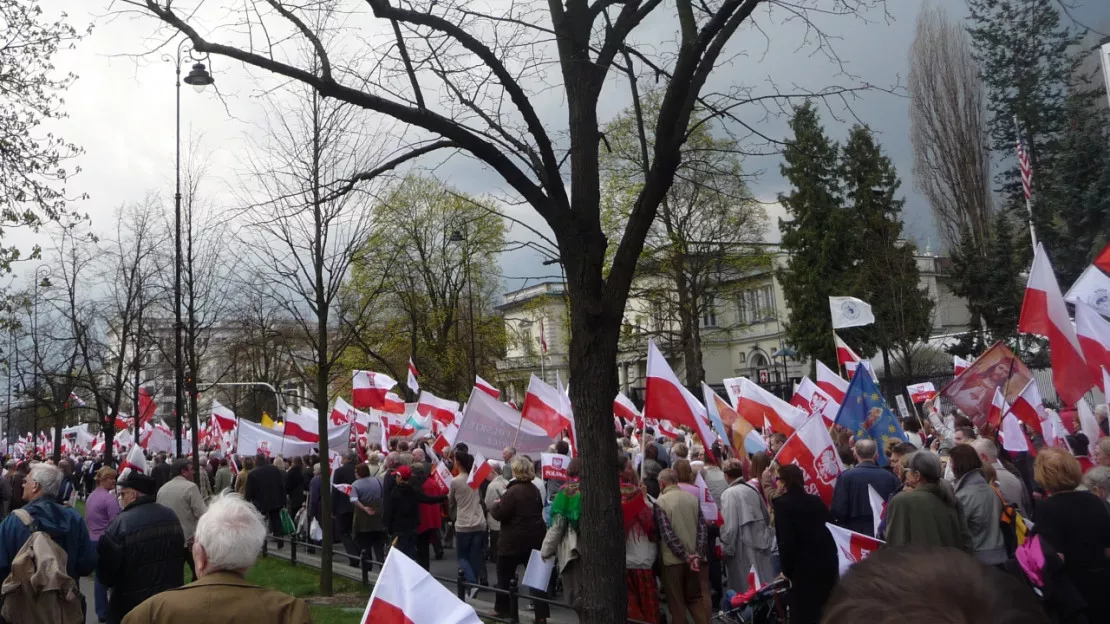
x=367, y=564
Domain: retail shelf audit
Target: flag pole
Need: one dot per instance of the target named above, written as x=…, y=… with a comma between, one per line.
x=1026, y=169
x=836, y=354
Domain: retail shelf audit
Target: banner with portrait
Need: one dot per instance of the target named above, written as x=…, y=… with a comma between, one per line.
x=972, y=390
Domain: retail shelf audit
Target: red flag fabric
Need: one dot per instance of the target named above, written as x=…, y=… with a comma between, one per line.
x=440, y=410
x=1102, y=260
x=623, y=407
x=852, y=547
x=845, y=356
x=811, y=448
x=959, y=365
x=406, y=594
x=757, y=406
x=1093, y=332
x=1044, y=312
x=147, y=407
x=412, y=383
x=303, y=425
x=811, y=398
x=666, y=399
x=394, y=404
x=546, y=407
x=1029, y=408
x=834, y=385
x=486, y=387
x=997, y=409
x=224, y=416
x=479, y=472
x=369, y=389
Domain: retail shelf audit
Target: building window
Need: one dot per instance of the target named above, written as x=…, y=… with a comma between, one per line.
x=756, y=305
x=708, y=312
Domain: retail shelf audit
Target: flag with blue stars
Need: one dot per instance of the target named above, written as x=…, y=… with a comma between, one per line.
x=866, y=414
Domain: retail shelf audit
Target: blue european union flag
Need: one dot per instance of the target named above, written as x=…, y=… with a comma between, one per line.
x=865, y=413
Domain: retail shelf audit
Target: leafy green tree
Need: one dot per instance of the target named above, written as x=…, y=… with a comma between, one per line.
x=422, y=283
x=700, y=241
x=993, y=287
x=886, y=275
x=34, y=164
x=817, y=237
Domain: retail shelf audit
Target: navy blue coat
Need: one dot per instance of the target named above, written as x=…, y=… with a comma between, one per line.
x=851, y=507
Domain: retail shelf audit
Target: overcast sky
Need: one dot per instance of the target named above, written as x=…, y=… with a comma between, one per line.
x=121, y=110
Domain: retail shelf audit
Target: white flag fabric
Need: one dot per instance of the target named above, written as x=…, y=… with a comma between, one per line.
x=411, y=382
x=406, y=594
x=1093, y=289
x=852, y=547
x=850, y=312
x=1088, y=424
x=878, y=507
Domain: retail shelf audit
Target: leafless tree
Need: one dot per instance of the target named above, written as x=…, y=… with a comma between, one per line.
x=948, y=129
x=462, y=74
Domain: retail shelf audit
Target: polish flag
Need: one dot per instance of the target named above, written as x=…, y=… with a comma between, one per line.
x=833, y=384
x=413, y=374
x=486, y=387
x=547, y=407
x=666, y=429
x=757, y=406
x=303, y=425
x=406, y=594
x=440, y=410
x=852, y=547
x=1093, y=333
x=1102, y=260
x=342, y=413
x=369, y=389
x=845, y=356
x=811, y=398
x=1013, y=436
x=1029, y=408
x=135, y=460
x=479, y=472
x=811, y=448
x=959, y=365
x=997, y=409
x=667, y=399
x=1088, y=424
x=393, y=404
x=754, y=582
x=147, y=407
x=224, y=416
x=878, y=507
x=1044, y=312
x=446, y=439
x=442, y=476
x=623, y=407
x=919, y=393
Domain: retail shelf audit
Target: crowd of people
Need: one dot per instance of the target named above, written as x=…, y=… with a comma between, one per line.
x=702, y=526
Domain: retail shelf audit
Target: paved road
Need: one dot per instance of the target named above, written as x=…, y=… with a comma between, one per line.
x=87, y=590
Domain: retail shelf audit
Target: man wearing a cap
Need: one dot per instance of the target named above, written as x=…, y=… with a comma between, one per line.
x=926, y=513
x=142, y=552
x=402, y=514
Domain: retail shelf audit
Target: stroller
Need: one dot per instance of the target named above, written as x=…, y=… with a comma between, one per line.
x=764, y=606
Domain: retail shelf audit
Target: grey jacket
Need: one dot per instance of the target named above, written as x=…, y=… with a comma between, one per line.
x=982, y=508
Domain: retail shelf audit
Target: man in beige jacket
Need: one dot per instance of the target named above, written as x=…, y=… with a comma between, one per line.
x=182, y=496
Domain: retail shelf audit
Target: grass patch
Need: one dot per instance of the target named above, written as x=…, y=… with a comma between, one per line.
x=300, y=581
x=80, y=507
x=335, y=615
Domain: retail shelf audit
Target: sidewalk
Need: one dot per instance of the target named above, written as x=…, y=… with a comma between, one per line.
x=445, y=568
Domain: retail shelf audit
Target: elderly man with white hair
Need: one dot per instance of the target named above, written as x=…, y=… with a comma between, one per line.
x=228, y=540
x=1013, y=490
x=63, y=524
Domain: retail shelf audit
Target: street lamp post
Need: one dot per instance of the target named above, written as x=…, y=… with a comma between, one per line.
x=461, y=237
x=199, y=78
x=35, y=342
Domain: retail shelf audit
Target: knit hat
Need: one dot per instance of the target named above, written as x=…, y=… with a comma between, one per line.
x=139, y=482
x=925, y=463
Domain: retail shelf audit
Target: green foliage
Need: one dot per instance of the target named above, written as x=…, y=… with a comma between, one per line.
x=992, y=286
x=817, y=238
x=419, y=285
x=33, y=165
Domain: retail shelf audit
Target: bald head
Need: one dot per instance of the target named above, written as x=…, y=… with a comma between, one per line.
x=866, y=450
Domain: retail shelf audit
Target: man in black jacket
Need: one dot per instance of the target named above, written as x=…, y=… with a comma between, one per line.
x=161, y=471
x=343, y=512
x=142, y=552
x=266, y=489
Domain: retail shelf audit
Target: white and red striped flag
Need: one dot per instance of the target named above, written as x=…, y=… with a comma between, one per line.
x=624, y=408
x=959, y=365
x=667, y=399
x=1044, y=312
x=811, y=398
x=1026, y=169
x=369, y=389
x=1029, y=408
x=757, y=406
x=440, y=410
x=412, y=383
x=486, y=387
x=811, y=448
x=393, y=404
x=543, y=338
x=919, y=393
x=406, y=594
x=224, y=416
x=303, y=425
x=852, y=547
x=845, y=356
x=546, y=407
x=1093, y=332
x=1013, y=436
x=878, y=507
x=997, y=409
x=834, y=385
x=479, y=472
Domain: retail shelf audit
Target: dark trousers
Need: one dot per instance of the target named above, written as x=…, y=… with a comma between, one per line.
x=492, y=552
x=406, y=543
x=506, y=570
x=372, y=542
x=342, y=532
x=423, y=549
x=274, y=518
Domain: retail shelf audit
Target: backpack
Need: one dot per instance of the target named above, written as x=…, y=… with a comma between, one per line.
x=1014, y=529
x=38, y=590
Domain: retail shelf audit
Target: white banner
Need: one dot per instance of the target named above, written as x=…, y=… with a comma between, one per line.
x=254, y=438
x=554, y=466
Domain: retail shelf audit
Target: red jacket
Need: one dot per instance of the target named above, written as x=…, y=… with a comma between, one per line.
x=431, y=516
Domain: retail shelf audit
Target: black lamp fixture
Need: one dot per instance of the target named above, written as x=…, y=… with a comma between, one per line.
x=456, y=237
x=199, y=78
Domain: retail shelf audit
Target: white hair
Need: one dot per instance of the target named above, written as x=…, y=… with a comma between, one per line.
x=231, y=533
x=986, y=448
x=48, y=477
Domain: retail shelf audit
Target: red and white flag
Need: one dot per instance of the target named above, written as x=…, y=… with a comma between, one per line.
x=393, y=404
x=369, y=389
x=624, y=408
x=1093, y=332
x=1013, y=436
x=878, y=507
x=440, y=410
x=1044, y=312
x=834, y=385
x=852, y=547
x=959, y=365
x=547, y=407
x=811, y=448
x=845, y=356
x=224, y=416
x=412, y=383
x=486, y=387
x=811, y=398
x=446, y=439
x=1029, y=408
x=303, y=425
x=543, y=338
x=479, y=472
x=135, y=460
x=919, y=393
x=1088, y=424
x=757, y=406
x=406, y=594
x=147, y=406
x=997, y=409
x=667, y=399
x=442, y=476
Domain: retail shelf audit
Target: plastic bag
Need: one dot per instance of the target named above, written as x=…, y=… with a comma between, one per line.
x=287, y=527
x=315, y=532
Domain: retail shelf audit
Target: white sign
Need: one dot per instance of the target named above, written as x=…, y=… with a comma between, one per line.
x=553, y=466
x=902, y=409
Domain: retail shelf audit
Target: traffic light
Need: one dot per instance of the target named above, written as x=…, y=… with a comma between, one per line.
x=190, y=382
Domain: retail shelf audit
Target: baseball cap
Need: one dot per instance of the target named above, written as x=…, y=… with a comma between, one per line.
x=404, y=472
